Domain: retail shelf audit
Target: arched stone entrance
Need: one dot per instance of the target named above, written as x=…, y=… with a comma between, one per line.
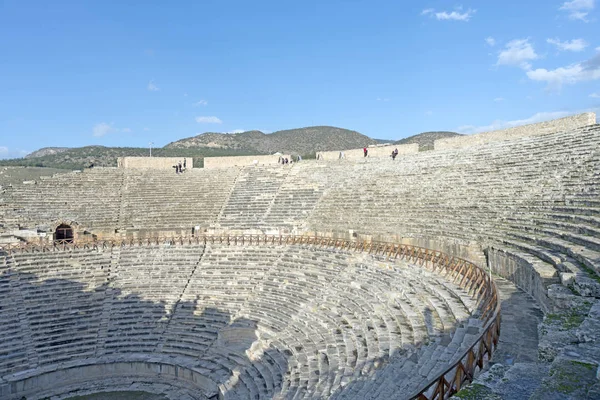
x=63, y=233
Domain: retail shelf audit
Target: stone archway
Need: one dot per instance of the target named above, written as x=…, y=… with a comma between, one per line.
x=64, y=233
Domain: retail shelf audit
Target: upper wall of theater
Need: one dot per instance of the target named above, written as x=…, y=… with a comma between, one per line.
x=541, y=128
x=153, y=162
x=242, y=161
x=374, y=151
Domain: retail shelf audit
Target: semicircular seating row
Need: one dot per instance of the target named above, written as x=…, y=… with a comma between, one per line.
x=260, y=321
x=535, y=198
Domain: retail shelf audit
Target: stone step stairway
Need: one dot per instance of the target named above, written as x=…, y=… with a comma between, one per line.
x=252, y=197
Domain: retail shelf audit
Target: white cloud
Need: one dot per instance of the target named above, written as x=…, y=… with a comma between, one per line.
x=185, y=95
x=146, y=129
x=104, y=128
x=595, y=96
x=573, y=45
x=580, y=72
x=200, y=103
x=490, y=41
x=152, y=87
x=208, y=120
x=455, y=16
x=237, y=131
x=429, y=113
x=597, y=48
x=517, y=52
x=450, y=16
x=578, y=9
x=5, y=152
x=383, y=99
x=499, y=99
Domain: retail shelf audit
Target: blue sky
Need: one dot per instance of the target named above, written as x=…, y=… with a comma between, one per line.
x=75, y=73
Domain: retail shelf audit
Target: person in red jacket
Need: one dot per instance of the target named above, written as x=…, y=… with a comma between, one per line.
x=365, y=151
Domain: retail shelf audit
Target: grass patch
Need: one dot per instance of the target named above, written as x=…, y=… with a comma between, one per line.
x=476, y=391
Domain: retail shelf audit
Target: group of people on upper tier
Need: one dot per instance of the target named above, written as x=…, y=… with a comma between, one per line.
x=285, y=160
x=179, y=167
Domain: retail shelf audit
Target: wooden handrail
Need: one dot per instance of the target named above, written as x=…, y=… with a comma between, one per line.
x=467, y=275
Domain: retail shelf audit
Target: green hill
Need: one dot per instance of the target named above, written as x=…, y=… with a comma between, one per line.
x=297, y=141
x=81, y=157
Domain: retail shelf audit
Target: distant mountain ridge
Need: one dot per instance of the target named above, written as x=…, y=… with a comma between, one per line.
x=298, y=141
x=303, y=141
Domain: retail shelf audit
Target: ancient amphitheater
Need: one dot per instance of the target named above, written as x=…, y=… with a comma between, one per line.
x=345, y=279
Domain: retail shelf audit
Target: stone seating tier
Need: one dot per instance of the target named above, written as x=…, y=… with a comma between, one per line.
x=258, y=321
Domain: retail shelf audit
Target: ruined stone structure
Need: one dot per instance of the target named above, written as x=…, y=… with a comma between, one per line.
x=541, y=128
x=153, y=162
x=221, y=319
x=242, y=161
x=374, y=152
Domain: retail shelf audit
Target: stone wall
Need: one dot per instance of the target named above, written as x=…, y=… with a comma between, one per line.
x=102, y=375
x=153, y=162
x=242, y=161
x=532, y=278
x=375, y=152
x=467, y=250
x=542, y=128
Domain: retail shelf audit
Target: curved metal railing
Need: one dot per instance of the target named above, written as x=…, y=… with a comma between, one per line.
x=466, y=274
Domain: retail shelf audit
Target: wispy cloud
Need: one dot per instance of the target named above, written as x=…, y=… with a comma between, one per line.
x=490, y=41
x=578, y=9
x=428, y=113
x=571, y=74
x=535, y=118
x=499, y=99
x=595, y=96
x=383, y=99
x=450, y=16
x=152, y=86
x=104, y=128
x=5, y=152
x=200, y=103
x=572, y=45
x=237, y=131
x=517, y=52
x=208, y=120
x=146, y=129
